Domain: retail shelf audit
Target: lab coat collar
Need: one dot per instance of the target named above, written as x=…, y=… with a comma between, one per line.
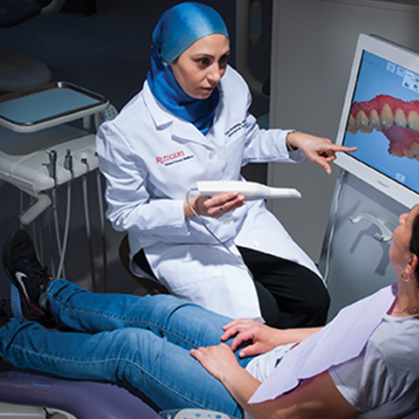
x=185, y=131
x=181, y=130
x=161, y=117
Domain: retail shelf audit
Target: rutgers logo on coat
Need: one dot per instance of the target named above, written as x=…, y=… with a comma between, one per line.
x=170, y=157
x=173, y=158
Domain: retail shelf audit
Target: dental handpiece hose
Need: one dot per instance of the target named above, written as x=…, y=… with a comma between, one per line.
x=53, y=169
x=68, y=164
x=53, y=165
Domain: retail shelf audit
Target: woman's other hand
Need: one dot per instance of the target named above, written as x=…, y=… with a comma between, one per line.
x=319, y=150
x=213, y=206
x=217, y=360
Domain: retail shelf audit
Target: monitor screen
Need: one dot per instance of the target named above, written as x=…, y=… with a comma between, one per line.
x=381, y=117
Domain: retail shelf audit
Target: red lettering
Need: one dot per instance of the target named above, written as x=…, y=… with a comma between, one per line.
x=170, y=157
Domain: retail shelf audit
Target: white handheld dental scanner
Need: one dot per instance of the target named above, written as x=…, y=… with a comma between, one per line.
x=250, y=190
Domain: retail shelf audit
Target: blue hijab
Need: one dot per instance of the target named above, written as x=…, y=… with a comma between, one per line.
x=177, y=29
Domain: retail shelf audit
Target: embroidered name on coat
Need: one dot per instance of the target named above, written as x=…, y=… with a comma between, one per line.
x=236, y=127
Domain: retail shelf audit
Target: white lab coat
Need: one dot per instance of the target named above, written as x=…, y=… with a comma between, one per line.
x=151, y=158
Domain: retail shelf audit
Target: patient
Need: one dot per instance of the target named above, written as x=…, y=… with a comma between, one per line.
x=365, y=362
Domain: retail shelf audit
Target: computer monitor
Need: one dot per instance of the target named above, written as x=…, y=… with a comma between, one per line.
x=381, y=117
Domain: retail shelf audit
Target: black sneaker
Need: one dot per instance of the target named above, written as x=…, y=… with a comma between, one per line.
x=5, y=312
x=29, y=279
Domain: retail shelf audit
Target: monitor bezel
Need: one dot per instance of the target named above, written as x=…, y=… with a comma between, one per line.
x=405, y=58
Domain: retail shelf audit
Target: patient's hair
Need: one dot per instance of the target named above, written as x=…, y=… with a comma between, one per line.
x=414, y=243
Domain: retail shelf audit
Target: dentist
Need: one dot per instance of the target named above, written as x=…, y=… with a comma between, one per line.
x=190, y=122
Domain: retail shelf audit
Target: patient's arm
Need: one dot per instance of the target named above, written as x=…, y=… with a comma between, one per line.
x=263, y=338
x=315, y=398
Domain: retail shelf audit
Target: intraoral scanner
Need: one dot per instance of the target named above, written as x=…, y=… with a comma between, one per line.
x=250, y=190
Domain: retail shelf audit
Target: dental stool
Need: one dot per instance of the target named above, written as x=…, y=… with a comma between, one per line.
x=147, y=279
x=27, y=394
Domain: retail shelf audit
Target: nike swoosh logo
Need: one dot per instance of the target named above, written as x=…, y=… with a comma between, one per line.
x=19, y=277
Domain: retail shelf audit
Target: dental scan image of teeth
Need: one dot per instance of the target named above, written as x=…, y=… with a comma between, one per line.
x=384, y=120
x=396, y=119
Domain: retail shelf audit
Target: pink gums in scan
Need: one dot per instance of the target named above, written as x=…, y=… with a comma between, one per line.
x=396, y=119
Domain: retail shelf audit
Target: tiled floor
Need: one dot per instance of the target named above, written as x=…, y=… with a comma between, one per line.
x=107, y=53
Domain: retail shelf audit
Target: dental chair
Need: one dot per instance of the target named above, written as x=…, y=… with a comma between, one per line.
x=27, y=394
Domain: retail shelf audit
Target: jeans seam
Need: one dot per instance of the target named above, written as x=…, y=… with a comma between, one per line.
x=142, y=322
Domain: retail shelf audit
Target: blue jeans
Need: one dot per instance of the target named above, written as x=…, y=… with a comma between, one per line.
x=141, y=340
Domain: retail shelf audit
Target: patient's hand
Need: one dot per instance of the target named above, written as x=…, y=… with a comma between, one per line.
x=217, y=360
x=263, y=338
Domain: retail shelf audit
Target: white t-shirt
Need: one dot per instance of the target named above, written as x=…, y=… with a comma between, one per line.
x=382, y=382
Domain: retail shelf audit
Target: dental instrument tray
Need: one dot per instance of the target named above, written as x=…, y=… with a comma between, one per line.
x=47, y=106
